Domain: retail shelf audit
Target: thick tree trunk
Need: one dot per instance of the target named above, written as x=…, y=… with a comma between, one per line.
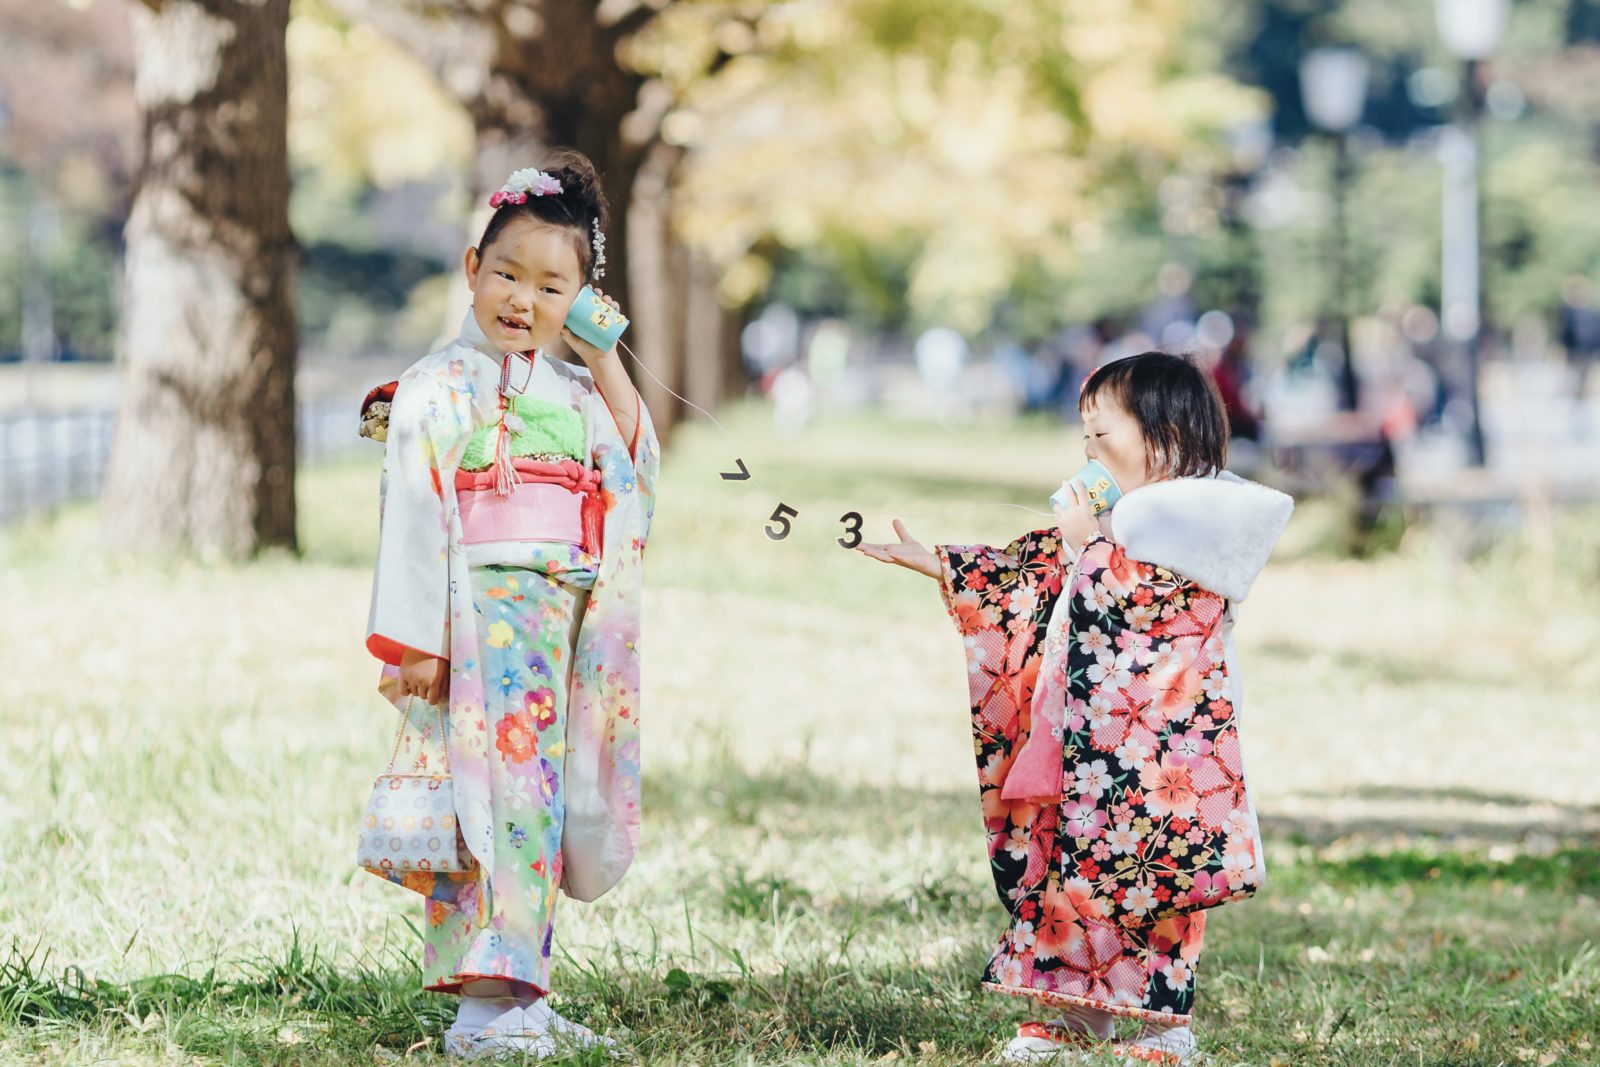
x=204, y=454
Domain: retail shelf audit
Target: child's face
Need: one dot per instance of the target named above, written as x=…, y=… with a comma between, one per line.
x=1112, y=436
x=523, y=284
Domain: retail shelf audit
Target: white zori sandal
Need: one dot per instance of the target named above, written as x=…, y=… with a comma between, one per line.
x=1072, y=1041
x=535, y=1030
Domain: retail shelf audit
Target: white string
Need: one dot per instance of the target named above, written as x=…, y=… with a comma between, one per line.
x=642, y=365
x=645, y=367
x=1024, y=507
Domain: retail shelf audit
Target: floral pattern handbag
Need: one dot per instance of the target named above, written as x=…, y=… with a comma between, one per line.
x=410, y=822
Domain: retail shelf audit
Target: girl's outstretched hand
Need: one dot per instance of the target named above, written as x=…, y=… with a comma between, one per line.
x=425, y=676
x=907, y=553
x=1077, y=521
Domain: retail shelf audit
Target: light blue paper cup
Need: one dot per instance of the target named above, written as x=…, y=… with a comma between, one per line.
x=1097, y=481
x=596, y=321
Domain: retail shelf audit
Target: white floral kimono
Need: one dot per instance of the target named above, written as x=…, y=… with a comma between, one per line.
x=536, y=632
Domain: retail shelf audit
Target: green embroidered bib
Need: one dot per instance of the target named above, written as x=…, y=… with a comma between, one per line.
x=547, y=428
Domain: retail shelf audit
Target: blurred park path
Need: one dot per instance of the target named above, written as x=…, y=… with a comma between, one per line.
x=1545, y=443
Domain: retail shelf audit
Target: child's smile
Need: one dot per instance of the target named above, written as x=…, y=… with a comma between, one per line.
x=515, y=325
x=523, y=284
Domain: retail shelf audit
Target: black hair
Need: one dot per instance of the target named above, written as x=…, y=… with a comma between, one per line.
x=580, y=202
x=1177, y=406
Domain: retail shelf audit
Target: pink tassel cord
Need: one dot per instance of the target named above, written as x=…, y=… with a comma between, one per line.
x=505, y=474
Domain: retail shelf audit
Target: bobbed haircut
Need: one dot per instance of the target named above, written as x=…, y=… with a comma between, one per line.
x=580, y=202
x=1177, y=406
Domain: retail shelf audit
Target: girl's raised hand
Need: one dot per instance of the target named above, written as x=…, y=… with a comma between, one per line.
x=907, y=553
x=586, y=351
x=1076, y=520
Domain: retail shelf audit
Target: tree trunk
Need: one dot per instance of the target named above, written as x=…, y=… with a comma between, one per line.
x=204, y=453
x=705, y=333
x=735, y=381
x=658, y=297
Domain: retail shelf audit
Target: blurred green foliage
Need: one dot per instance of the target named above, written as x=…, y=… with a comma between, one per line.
x=1014, y=167
x=80, y=255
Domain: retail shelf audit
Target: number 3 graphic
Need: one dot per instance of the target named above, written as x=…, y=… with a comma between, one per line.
x=782, y=516
x=852, y=529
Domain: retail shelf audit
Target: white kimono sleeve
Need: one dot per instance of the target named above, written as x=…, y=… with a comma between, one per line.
x=411, y=584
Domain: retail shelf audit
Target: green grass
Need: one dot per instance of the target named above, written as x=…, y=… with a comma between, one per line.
x=187, y=749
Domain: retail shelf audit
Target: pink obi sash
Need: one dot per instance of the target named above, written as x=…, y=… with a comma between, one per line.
x=550, y=502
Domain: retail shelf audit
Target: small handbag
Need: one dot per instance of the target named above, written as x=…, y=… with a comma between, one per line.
x=410, y=823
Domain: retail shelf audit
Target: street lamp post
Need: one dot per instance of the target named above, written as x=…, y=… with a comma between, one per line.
x=1471, y=29
x=1333, y=88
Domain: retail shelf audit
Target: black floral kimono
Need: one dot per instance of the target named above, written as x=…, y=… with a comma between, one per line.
x=1104, y=718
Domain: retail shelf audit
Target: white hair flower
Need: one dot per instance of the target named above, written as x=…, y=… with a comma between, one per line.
x=529, y=181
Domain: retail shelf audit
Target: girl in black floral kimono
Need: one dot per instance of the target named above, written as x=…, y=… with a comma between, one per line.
x=1105, y=715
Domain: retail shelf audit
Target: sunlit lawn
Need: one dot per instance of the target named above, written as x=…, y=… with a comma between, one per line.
x=187, y=749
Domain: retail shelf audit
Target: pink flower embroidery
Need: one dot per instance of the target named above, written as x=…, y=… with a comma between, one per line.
x=1208, y=886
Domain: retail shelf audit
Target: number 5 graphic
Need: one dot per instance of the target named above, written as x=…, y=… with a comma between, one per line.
x=782, y=516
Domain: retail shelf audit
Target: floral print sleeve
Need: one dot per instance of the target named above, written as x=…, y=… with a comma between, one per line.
x=1002, y=600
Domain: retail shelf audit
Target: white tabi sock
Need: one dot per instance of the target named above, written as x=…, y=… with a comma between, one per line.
x=475, y=1013
x=1099, y=1024
x=1177, y=1042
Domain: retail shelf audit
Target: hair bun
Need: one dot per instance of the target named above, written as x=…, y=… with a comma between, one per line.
x=580, y=182
x=580, y=206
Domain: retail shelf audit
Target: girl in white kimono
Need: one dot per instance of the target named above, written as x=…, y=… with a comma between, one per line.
x=517, y=493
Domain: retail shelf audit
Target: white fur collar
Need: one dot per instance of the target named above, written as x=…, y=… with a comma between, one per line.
x=1218, y=532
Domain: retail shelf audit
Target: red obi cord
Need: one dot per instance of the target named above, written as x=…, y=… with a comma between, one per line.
x=569, y=474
